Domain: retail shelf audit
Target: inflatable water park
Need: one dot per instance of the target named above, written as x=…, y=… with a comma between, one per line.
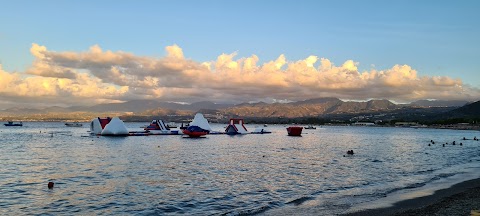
x=197, y=128
x=108, y=127
x=158, y=127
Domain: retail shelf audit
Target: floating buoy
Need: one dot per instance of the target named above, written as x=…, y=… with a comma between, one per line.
x=50, y=185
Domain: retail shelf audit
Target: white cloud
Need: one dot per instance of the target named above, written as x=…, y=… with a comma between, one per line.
x=98, y=75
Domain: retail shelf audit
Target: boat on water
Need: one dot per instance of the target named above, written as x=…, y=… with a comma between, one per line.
x=73, y=124
x=310, y=127
x=199, y=127
x=11, y=123
x=261, y=130
x=195, y=131
x=294, y=131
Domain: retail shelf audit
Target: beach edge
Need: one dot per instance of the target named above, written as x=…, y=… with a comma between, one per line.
x=459, y=199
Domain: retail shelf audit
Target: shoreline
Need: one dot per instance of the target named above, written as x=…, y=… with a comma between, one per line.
x=459, y=199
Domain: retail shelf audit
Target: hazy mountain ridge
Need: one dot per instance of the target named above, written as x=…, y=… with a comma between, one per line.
x=307, y=108
x=439, y=103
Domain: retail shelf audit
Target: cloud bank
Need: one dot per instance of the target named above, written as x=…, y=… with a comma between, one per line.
x=98, y=76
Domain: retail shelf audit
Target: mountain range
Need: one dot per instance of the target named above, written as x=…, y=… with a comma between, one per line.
x=306, y=108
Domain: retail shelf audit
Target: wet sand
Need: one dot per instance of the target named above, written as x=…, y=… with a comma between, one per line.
x=459, y=199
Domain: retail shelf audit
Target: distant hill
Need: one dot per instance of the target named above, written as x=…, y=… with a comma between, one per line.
x=308, y=108
x=471, y=110
x=439, y=103
x=318, y=101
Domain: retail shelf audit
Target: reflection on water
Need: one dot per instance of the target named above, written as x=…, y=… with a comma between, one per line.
x=220, y=174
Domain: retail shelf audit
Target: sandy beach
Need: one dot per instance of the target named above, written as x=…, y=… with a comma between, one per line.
x=460, y=199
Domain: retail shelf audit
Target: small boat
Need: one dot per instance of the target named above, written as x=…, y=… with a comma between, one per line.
x=310, y=127
x=10, y=123
x=195, y=131
x=73, y=124
x=261, y=130
x=294, y=131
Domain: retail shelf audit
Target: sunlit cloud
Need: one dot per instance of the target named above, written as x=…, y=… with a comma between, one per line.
x=97, y=75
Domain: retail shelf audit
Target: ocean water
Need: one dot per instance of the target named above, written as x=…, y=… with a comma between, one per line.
x=251, y=174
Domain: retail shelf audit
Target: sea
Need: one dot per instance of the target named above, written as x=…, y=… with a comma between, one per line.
x=252, y=174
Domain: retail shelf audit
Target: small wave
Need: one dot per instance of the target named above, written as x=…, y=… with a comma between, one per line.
x=425, y=171
x=300, y=200
x=415, y=185
x=255, y=211
x=445, y=175
x=421, y=184
x=169, y=209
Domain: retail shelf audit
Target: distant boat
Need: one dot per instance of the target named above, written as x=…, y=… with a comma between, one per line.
x=10, y=123
x=195, y=131
x=261, y=130
x=294, y=131
x=73, y=124
x=310, y=127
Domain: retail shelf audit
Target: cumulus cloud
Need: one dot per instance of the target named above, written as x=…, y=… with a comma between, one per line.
x=96, y=75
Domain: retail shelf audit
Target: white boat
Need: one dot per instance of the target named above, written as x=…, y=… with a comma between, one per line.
x=73, y=124
x=310, y=127
x=261, y=130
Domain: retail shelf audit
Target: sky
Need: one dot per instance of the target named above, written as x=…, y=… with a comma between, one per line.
x=68, y=53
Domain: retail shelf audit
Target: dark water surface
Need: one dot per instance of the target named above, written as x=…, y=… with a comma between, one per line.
x=220, y=174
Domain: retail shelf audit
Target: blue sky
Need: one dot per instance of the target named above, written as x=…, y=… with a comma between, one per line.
x=436, y=38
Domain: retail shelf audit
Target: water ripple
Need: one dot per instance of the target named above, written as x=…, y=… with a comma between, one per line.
x=218, y=175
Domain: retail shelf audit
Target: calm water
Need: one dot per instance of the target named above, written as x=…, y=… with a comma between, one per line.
x=220, y=174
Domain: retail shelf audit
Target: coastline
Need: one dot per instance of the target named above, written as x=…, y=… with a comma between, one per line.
x=459, y=199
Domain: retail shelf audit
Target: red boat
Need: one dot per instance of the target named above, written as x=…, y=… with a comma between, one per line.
x=294, y=131
x=194, y=134
x=195, y=131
